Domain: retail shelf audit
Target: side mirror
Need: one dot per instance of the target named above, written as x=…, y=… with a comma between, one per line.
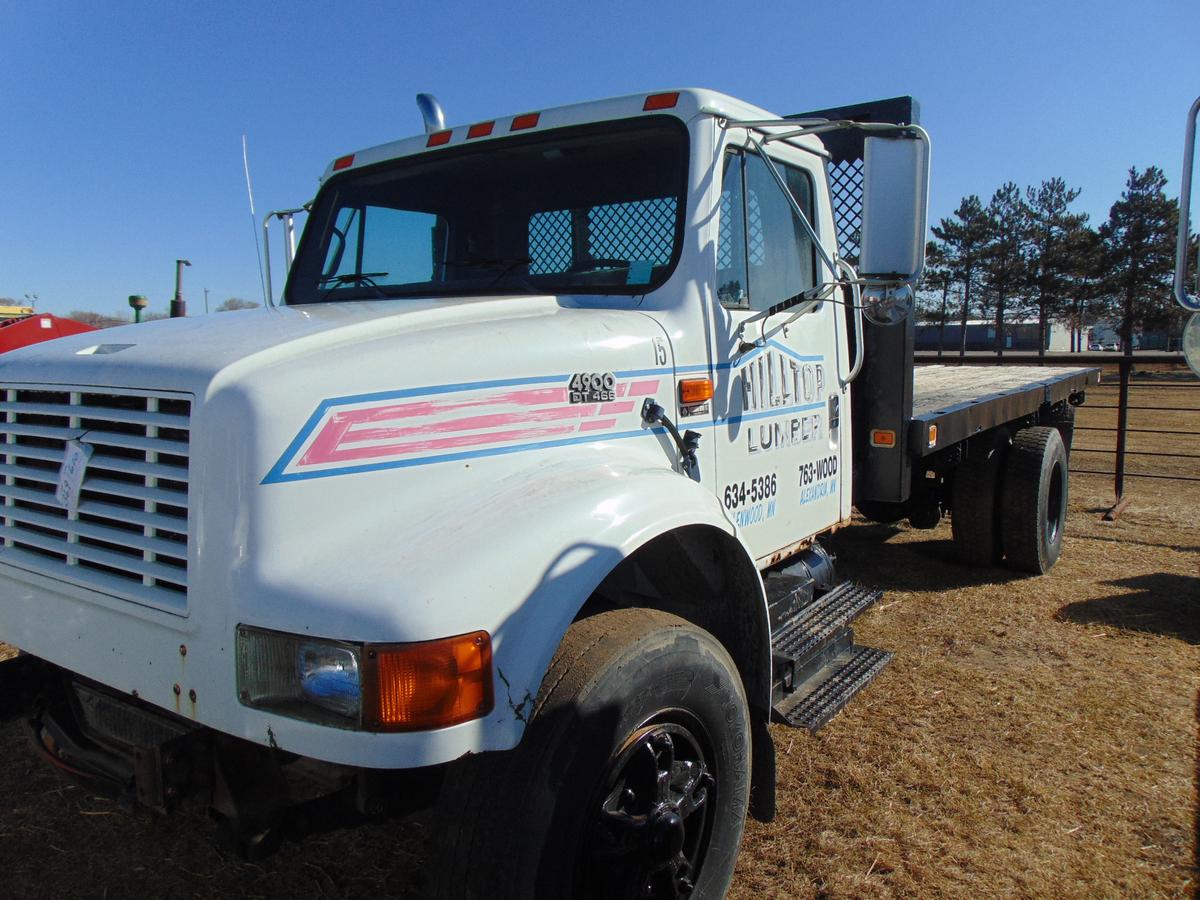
x=1191, y=330
x=1185, y=202
x=895, y=207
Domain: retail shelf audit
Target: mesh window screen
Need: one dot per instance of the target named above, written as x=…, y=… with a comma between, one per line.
x=550, y=242
x=725, y=235
x=639, y=230
x=846, y=185
x=636, y=231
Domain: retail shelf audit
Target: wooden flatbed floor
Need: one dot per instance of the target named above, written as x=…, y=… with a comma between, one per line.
x=965, y=400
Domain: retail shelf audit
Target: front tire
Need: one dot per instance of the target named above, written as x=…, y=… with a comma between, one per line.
x=631, y=780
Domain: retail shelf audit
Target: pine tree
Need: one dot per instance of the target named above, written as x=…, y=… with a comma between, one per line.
x=1139, y=250
x=1085, y=282
x=1006, y=268
x=1055, y=238
x=935, y=289
x=963, y=240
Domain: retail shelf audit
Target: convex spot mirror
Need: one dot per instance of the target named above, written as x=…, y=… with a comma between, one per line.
x=895, y=207
x=1191, y=342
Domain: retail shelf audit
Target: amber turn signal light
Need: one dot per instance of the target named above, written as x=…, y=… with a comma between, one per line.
x=430, y=684
x=695, y=390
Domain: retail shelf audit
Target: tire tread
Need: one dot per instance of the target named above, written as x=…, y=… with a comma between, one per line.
x=975, y=520
x=1020, y=509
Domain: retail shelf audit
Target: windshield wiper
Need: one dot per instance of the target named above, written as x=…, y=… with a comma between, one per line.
x=358, y=279
x=506, y=264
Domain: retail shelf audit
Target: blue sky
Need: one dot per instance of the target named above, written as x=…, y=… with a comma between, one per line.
x=121, y=122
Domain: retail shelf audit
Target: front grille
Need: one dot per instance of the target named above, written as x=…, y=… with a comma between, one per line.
x=129, y=537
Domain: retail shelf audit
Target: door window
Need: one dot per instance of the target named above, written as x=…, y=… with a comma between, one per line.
x=764, y=254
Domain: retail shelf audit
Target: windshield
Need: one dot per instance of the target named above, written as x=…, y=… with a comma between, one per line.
x=594, y=209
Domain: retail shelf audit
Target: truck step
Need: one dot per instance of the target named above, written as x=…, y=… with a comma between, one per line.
x=813, y=626
x=829, y=690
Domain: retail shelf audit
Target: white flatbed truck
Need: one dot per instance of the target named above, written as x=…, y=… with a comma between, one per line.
x=512, y=505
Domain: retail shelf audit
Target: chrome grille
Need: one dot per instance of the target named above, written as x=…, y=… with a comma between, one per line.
x=129, y=537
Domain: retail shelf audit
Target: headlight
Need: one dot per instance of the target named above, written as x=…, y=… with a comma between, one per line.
x=300, y=677
x=373, y=687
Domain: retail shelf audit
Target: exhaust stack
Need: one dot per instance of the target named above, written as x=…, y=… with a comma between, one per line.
x=431, y=112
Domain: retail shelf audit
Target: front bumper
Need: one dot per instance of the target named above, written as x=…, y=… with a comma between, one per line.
x=126, y=749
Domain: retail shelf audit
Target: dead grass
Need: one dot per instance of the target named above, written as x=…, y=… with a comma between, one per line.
x=1033, y=737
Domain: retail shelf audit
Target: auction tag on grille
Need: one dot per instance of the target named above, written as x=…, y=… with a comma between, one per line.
x=70, y=476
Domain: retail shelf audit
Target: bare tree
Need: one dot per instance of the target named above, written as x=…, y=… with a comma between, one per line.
x=237, y=303
x=95, y=319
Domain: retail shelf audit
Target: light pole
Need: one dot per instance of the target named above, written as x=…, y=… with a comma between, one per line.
x=178, y=305
x=206, y=301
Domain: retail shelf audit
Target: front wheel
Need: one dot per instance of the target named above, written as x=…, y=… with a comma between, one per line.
x=631, y=780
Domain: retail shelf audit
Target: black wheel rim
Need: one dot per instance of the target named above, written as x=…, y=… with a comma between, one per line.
x=651, y=822
x=1054, y=505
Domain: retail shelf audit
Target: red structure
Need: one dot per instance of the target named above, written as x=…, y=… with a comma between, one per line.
x=25, y=330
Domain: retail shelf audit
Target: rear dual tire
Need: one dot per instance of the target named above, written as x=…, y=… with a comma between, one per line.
x=1010, y=501
x=975, y=522
x=1034, y=507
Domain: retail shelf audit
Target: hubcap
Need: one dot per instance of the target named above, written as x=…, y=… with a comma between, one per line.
x=652, y=823
x=1054, y=505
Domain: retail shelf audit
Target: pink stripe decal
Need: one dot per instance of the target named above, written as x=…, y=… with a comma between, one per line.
x=344, y=454
x=597, y=424
x=616, y=407
x=644, y=388
x=356, y=434
x=471, y=423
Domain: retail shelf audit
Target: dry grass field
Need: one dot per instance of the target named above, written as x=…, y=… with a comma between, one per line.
x=1033, y=737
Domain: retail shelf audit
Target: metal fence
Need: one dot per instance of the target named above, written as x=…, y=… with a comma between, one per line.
x=1151, y=393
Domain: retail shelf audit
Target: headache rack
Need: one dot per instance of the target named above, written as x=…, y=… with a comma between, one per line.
x=129, y=537
x=882, y=394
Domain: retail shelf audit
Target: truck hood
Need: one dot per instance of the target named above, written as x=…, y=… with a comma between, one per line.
x=194, y=354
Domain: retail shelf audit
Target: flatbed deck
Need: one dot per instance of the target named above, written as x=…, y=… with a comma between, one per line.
x=962, y=401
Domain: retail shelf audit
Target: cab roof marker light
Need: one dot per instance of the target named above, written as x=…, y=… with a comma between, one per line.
x=526, y=120
x=661, y=101
x=438, y=138
x=343, y=162
x=480, y=129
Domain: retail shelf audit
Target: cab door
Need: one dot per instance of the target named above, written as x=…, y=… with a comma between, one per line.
x=777, y=401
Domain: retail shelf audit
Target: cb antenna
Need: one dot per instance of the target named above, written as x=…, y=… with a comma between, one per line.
x=262, y=281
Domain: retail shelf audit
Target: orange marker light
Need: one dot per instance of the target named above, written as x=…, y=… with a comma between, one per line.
x=431, y=684
x=883, y=437
x=528, y=120
x=695, y=390
x=932, y=436
x=438, y=138
x=343, y=162
x=481, y=129
x=661, y=101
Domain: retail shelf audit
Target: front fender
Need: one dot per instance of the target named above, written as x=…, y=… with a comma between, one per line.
x=513, y=551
